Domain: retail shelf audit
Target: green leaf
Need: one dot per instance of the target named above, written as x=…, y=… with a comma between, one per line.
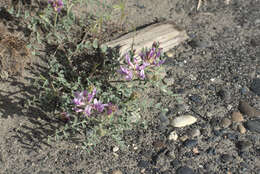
x=26, y=14
x=95, y=44
x=117, y=6
x=104, y=48
x=88, y=45
x=158, y=105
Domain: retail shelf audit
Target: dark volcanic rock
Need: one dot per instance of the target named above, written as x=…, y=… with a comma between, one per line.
x=184, y=170
x=226, y=158
x=244, y=145
x=175, y=163
x=144, y=164
x=224, y=94
x=255, y=86
x=199, y=43
x=190, y=143
x=253, y=125
x=195, y=98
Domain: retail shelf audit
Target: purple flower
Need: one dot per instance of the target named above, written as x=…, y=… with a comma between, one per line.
x=128, y=60
x=83, y=101
x=160, y=62
x=152, y=56
x=111, y=108
x=99, y=106
x=87, y=110
x=133, y=67
x=79, y=98
x=151, y=53
x=128, y=73
x=141, y=70
x=86, y=103
x=149, y=58
x=91, y=95
x=56, y=4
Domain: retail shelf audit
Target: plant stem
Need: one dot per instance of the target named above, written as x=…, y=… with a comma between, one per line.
x=55, y=21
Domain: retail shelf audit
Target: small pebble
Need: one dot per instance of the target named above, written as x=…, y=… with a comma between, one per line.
x=172, y=154
x=116, y=172
x=237, y=117
x=244, y=145
x=173, y=136
x=184, y=138
x=183, y=121
x=225, y=123
x=196, y=42
x=246, y=109
x=192, y=77
x=194, y=133
x=211, y=151
x=134, y=117
x=99, y=172
x=253, y=125
x=164, y=119
x=184, y=170
x=229, y=107
x=190, y=143
x=44, y=172
x=226, y=158
x=243, y=91
x=168, y=81
x=115, y=154
x=195, y=98
x=159, y=144
x=169, y=53
x=241, y=129
x=257, y=21
x=115, y=149
x=255, y=87
x=135, y=147
x=195, y=150
x=224, y=94
x=143, y=164
x=175, y=163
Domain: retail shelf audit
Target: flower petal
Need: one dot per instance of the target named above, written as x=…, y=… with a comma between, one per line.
x=87, y=110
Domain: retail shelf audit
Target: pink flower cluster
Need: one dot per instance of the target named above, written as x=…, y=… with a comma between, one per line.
x=85, y=102
x=149, y=58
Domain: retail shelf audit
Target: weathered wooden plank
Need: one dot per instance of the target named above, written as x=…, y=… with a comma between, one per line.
x=166, y=33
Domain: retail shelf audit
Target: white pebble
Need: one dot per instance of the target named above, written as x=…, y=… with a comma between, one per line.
x=173, y=136
x=115, y=149
x=183, y=121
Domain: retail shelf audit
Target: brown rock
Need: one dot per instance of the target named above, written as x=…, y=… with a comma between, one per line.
x=184, y=138
x=241, y=129
x=246, y=109
x=237, y=117
x=159, y=144
x=225, y=123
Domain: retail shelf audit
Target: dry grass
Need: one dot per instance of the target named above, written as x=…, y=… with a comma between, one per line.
x=14, y=55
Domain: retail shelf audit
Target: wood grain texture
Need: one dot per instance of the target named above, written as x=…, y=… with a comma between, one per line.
x=167, y=33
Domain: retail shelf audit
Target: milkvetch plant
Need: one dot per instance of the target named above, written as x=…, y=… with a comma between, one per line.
x=150, y=58
x=57, y=6
x=85, y=103
x=83, y=87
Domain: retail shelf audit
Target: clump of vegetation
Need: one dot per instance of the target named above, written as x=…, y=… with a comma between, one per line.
x=86, y=87
x=14, y=54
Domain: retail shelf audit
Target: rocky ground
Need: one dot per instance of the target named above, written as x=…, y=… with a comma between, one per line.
x=213, y=127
